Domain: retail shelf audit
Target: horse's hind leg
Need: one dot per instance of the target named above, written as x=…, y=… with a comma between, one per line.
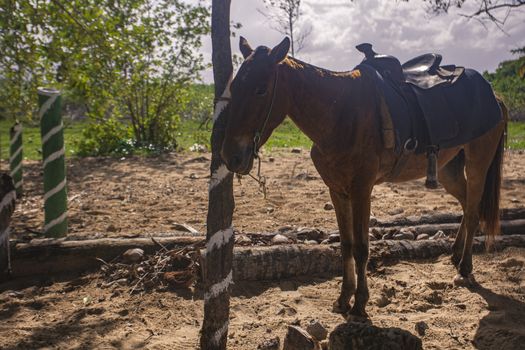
x=344, y=221
x=361, y=217
x=452, y=177
x=480, y=155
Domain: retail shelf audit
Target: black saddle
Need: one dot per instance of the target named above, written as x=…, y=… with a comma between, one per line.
x=422, y=71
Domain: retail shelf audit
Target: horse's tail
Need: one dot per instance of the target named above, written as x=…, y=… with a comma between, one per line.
x=489, y=207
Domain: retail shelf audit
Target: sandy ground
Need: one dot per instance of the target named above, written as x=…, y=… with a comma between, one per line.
x=112, y=197
x=82, y=314
x=141, y=196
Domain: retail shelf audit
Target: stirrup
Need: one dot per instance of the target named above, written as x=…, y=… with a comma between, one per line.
x=432, y=178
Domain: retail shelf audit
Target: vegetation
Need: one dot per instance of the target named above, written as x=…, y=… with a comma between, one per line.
x=508, y=83
x=129, y=62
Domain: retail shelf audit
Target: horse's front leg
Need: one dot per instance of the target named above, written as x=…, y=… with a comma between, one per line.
x=360, y=198
x=344, y=221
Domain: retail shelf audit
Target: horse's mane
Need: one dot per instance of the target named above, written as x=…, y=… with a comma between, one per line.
x=301, y=65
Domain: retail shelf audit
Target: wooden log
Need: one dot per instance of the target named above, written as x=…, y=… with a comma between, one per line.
x=443, y=218
x=54, y=256
x=510, y=227
x=49, y=257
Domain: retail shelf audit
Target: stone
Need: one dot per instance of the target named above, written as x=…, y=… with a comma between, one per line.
x=388, y=235
x=280, y=239
x=396, y=211
x=310, y=242
x=271, y=159
x=421, y=327
x=298, y=339
x=371, y=237
x=373, y=220
x=422, y=237
x=317, y=330
x=328, y=206
x=242, y=240
x=353, y=336
x=296, y=150
x=439, y=235
x=112, y=228
x=270, y=344
x=132, y=255
x=310, y=234
x=334, y=237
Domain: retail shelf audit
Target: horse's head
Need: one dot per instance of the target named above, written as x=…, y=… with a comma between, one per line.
x=255, y=107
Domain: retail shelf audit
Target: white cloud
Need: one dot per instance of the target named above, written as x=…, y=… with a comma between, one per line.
x=403, y=29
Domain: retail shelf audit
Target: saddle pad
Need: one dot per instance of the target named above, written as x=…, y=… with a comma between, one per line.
x=458, y=113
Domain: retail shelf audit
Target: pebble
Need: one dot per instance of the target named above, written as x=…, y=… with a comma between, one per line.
x=422, y=237
x=111, y=228
x=271, y=159
x=396, y=211
x=242, y=239
x=280, y=239
x=334, y=237
x=133, y=255
x=439, y=235
x=298, y=339
x=328, y=206
x=310, y=242
x=317, y=330
x=421, y=327
x=296, y=150
x=270, y=344
x=388, y=235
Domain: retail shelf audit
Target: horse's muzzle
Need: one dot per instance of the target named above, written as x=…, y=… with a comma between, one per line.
x=240, y=162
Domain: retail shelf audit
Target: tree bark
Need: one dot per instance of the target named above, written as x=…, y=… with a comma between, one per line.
x=217, y=264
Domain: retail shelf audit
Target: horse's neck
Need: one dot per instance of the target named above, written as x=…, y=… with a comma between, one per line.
x=315, y=101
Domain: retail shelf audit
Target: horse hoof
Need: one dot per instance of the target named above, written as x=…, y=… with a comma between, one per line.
x=462, y=281
x=338, y=309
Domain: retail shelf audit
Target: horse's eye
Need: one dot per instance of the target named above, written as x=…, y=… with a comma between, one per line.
x=260, y=91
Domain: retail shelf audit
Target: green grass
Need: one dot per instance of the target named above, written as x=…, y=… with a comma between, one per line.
x=516, y=135
x=32, y=140
x=286, y=135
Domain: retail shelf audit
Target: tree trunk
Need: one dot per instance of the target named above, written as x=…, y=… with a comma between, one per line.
x=217, y=264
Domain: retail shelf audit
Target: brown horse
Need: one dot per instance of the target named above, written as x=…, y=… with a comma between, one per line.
x=340, y=113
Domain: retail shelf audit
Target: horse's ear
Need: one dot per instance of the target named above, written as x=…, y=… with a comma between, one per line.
x=279, y=52
x=246, y=49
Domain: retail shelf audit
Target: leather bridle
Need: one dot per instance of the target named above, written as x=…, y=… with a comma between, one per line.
x=259, y=133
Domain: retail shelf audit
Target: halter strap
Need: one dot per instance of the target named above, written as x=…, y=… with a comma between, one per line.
x=258, y=134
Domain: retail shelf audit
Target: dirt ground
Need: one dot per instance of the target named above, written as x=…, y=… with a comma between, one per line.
x=142, y=196
x=83, y=314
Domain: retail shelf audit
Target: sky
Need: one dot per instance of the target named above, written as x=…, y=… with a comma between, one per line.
x=403, y=29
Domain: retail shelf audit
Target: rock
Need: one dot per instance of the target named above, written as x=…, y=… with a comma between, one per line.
x=112, y=228
x=270, y=344
x=353, y=336
x=373, y=220
x=328, y=206
x=371, y=237
x=421, y=327
x=242, y=240
x=396, y=211
x=132, y=255
x=439, y=235
x=280, y=239
x=334, y=237
x=271, y=159
x=296, y=150
x=287, y=311
x=325, y=241
x=298, y=339
x=310, y=242
x=422, y=237
x=310, y=234
x=317, y=330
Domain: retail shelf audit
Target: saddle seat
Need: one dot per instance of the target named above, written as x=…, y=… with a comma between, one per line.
x=423, y=71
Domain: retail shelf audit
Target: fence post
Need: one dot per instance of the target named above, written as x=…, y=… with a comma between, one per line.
x=16, y=156
x=55, y=192
x=7, y=206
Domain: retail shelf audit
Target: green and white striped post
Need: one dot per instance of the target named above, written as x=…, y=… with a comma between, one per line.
x=55, y=192
x=16, y=156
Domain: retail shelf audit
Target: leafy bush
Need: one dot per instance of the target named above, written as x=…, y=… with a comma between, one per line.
x=108, y=137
